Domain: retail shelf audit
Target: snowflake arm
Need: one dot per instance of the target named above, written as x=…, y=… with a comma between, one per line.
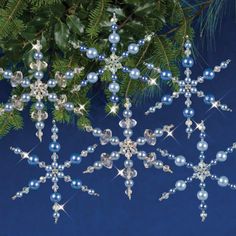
x=54, y=173
x=188, y=87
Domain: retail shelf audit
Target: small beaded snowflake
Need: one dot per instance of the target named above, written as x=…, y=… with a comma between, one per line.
x=38, y=91
x=129, y=148
x=54, y=173
x=114, y=62
x=201, y=171
x=188, y=87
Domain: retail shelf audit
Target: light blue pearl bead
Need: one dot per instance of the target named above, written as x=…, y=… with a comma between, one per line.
x=55, y=179
x=221, y=156
x=56, y=215
x=48, y=168
x=92, y=53
x=208, y=74
x=54, y=129
x=128, y=163
x=69, y=106
x=134, y=73
x=141, y=155
x=202, y=185
x=92, y=77
x=91, y=192
x=54, y=147
x=182, y=90
x=97, y=132
x=150, y=66
x=114, y=38
x=114, y=141
x=141, y=141
x=181, y=83
x=187, y=62
x=33, y=160
x=8, y=107
x=114, y=87
x=55, y=165
x=188, y=112
x=158, y=164
x=97, y=165
x=7, y=74
x=75, y=159
x=223, y=65
x=55, y=197
x=25, y=97
x=34, y=184
x=115, y=155
x=76, y=184
x=187, y=45
x=25, y=83
x=129, y=183
x=187, y=94
x=193, y=90
x=158, y=132
x=52, y=97
x=128, y=133
x=61, y=167
x=166, y=75
x=209, y=99
x=38, y=56
x=39, y=106
x=167, y=100
x=223, y=181
x=180, y=185
x=127, y=113
x=189, y=130
x=133, y=48
x=202, y=195
x=193, y=82
x=38, y=74
x=69, y=74
x=17, y=150
x=188, y=80
x=202, y=146
x=52, y=83
x=180, y=161
x=90, y=149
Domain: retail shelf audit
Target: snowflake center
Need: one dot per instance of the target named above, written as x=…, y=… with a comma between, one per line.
x=113, y=63
x=128, y=148
x=39, y=90
x=201, y=171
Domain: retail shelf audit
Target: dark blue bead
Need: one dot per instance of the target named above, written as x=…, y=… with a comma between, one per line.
x=188, y=112
x=114, y=99
x=75, y=159
x=33, y=160
x=76, y=184
x=208, y=74
x=54, y=147
x=187, y=62
x=55, y=197
x=166, y=75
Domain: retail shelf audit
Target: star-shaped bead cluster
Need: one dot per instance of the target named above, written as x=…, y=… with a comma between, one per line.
x=37, y=90
x=54, y=172
x=129, y=148
x=201, y=171
x=188, y=87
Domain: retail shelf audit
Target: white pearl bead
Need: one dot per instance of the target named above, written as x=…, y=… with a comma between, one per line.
x=221, y=156
x=92, y=53
x=180, y=185
x=202, y=146
x=114, y=87
x=202, y=195
x=92, y=77
x=223, y=181
x=114, y=38
x=133, y=48
x=134, y=73
x=180, y=161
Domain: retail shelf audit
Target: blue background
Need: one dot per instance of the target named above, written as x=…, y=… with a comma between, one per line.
x=112, y=213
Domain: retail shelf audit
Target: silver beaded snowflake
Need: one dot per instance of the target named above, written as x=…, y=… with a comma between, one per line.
x=54, y=173
x=129, y=148
x=201, y=171
x=113, y=62
x=188, y=87
x=38, y=91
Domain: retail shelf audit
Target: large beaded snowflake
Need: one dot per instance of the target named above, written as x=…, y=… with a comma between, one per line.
x=54, y=173
x=38, y=91
x=114, y=62
x=188, y=87
x=129, y=148
x=201, y=171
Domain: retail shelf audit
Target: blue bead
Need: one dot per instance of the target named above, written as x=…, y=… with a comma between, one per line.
x=113, y=49
x=141, y=42
x=114, y=99
x=134, y=73
x=209, y=99
x=114, y=27
x=167, y=100
x=208, y=74
x=101, y=57
x=202, y=135
x=100, y=71
x=150, y=66
x=8, y=107
x=7, y=74
x=187, y=62
x=166, y=75
x=114, y=77
x=83, y=83
x=54, y=147
x=189, y=130
x=33, y=160
x=92, y=53
x=38, y=74
x=38, y=56
x=55, y=197
x=144, y=78
x=114, y=38
x=92, y=77
x=188, y=112
x=76, y=184
x=125, y=69
x=187, y=45
x=34, y=184
x=75, y=159
x=39, y=106
x=69, y=74
x=125, y=54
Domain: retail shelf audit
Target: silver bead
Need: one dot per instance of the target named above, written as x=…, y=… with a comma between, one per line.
x=180, y=161
x=128, y=163
x=158, y=132
x=202, y=146
x=97, y=165
x=202, y=195
x=221, y=156
x=223, y=181
x=180, y=185
x=158, y=164
x=92, y=53
x=141, y=155
x=114, y=87
x=141, y=141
